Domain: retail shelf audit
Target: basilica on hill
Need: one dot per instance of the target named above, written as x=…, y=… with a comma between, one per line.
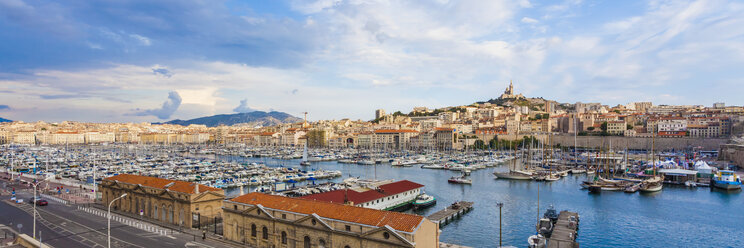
x=509, y=93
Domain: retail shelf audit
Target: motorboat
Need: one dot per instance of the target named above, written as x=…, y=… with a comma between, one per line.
x=726, y=179
x=460, y=180
x=424, y=201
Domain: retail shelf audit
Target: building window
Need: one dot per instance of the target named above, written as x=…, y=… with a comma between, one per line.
x=346, y=246
x=253, y=230
x=386, y=235
x=314, y=222
x=284, y=237
x=284, y=216
x=265, y=233
x=348, y=228
x=321, y=243
x=235, y=207
x=306, y=242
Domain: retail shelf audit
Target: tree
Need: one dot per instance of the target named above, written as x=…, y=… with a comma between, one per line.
x=603, y=126
x=479, y=144
x=590, y=128
x=630, y=127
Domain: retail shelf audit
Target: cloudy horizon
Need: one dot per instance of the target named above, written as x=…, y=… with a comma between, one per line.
x=153, y=61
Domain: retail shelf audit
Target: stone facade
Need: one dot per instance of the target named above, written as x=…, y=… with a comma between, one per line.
x=288, y=222
x=167, y=201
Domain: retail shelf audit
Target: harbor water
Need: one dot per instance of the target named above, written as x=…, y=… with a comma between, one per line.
x=675, y=217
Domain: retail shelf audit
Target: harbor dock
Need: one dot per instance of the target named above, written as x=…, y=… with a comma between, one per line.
x=565, y=231
x=451, y=212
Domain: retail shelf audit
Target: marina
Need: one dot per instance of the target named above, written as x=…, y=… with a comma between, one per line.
x=605, y=217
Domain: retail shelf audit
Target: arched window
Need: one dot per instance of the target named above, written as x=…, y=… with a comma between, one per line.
x=253, y=230
x=155, y=213
x=321, y=243
x=284, y=237
x=181, y=217
x=306, y=242
x=265, y=233
x=346, y=246
x=163, y=213
x=171, y=213
x=386, y=235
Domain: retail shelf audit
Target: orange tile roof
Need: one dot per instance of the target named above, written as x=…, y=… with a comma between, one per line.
x=160, y=183
x=366, y=216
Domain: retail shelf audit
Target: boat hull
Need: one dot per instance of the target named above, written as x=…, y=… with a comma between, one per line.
x=512, y=176
x=423, y=205
x=725, y=185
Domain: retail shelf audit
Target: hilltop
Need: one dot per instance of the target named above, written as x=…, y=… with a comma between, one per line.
x=254, y=118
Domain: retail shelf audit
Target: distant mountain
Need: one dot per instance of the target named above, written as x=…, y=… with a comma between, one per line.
x=250, y=118
x=5, y=120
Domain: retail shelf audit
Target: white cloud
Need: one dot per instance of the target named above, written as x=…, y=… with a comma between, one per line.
x=529, y=20
x=141, y=39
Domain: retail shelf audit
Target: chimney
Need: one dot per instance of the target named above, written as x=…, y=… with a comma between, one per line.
x=197, y=188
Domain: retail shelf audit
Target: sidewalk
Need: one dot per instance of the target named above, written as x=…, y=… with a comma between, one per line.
x=195, y=233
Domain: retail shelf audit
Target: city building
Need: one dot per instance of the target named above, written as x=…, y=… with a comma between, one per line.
x=379, y=113
x=385, y=195
x=616, y=127
x=168, y=201
x=262, y=220
x=509, y=93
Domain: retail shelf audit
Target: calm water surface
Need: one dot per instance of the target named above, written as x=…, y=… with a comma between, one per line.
x=676, y=217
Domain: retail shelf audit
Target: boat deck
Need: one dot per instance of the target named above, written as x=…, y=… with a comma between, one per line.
x=565, y=231
x=446, y=215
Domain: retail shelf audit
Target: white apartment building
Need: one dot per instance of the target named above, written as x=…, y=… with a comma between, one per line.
x=672, y=125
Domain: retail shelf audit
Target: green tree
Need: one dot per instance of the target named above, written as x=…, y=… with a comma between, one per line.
x=479, y=144
x=590, y=128
x=603, y=126
x=630, y=127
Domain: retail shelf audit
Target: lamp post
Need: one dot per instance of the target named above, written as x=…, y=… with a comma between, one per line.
x=500, y=205
x=34, y=202
x=109, y=217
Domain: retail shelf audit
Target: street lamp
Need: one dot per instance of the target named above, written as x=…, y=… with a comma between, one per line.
x=500, y=205
x=34, y=202
x=109, y=217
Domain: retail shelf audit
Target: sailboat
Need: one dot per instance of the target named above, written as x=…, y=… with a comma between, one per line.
x=304, y=157
x=513, y=173
x=655, y=183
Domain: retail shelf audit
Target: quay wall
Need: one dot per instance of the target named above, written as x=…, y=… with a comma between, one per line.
x=620, y=142
x=732, y=153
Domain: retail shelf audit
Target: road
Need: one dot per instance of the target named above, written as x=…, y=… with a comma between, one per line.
x=60, y=225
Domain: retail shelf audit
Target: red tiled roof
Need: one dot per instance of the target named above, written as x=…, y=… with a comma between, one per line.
x=338, y=196
x=444, y=129
x=366, y=216
x=389, y=189
x=399, y=187
x=160, y=183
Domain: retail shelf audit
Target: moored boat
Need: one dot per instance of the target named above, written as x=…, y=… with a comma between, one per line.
x=726, y=179
x=424, y=201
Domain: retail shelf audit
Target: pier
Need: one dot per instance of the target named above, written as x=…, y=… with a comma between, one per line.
x=451, y=212
x=565, y=231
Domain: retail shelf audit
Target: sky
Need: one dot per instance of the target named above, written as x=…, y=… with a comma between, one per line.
x=149, y=61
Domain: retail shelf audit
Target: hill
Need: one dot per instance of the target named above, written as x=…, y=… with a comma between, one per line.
x=250, y=118
x=4, y=120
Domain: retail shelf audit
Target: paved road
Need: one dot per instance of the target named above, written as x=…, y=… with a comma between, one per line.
x=66, y=226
